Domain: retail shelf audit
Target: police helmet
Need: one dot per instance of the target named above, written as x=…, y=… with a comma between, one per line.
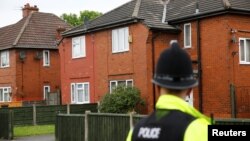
x=174, y=69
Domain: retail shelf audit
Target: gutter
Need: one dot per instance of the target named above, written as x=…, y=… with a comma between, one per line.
x=209, y=14
x=102, y=27
x=153, y=66
x=200, y=88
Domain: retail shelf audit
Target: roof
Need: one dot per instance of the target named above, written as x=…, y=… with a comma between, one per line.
x=181, y=10
x=38, y=30
x=147, y=11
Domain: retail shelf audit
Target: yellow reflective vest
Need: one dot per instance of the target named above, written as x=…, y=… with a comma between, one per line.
x=197, y=130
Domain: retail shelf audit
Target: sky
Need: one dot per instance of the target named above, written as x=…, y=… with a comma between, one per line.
x=11, y=10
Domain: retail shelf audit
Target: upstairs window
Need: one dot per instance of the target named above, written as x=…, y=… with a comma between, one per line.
x=244, y=51
x=115, y=83
x=46, y=58
x=120, y=40
x=187, y=35
x=80, y=93
x=4, y=59
x=78, y=47
x=5, y=94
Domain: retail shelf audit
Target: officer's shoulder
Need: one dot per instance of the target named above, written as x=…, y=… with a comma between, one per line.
x=198, y=122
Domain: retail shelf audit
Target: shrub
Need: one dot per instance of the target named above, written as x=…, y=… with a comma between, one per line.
x=121, y=100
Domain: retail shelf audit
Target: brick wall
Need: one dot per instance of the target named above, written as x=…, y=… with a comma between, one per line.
x=219, y=67
x=31, y=75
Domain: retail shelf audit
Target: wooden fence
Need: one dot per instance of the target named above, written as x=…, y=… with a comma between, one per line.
x=6, y=125
x=94, y=126
x=107, y=127
x=45, y=114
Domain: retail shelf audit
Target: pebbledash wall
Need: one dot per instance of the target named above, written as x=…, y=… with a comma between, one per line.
x=220, y=65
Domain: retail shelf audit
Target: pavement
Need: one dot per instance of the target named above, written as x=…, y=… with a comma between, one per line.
x=49, y=137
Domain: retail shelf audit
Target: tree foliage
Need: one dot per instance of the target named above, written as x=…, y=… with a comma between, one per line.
x=85, y=15
x=121, y=100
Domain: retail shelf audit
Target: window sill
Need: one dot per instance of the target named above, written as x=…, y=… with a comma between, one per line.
x=244, y=63
x=187, y=47
x=4, y=67
x=79, y=57
x=120, y=52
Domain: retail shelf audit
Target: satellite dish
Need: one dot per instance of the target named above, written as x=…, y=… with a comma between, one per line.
x=164, y=2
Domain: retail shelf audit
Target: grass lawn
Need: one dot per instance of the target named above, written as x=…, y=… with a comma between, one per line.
x=20, y=131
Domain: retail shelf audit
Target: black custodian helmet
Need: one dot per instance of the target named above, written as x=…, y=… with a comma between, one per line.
x=174, y=69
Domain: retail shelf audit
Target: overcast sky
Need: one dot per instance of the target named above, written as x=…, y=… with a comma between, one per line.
x=11, y=10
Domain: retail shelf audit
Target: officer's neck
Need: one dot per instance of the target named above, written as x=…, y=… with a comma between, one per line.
x=181, y=94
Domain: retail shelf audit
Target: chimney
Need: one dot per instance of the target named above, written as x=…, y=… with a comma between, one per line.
x=59, y=30
x=27, y=9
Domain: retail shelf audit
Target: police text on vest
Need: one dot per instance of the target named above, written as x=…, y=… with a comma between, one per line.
x=149, y=133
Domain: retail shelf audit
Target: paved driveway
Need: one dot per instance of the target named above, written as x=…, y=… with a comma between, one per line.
x=49, y=137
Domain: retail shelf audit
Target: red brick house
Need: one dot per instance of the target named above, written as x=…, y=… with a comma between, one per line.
x=29, y=64
x=123, y=45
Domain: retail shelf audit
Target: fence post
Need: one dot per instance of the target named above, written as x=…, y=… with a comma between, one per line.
x=10, y=124
x=86, y=128
x=34, y=114
x=68, y=109
x=98, y=105
x=131, y=120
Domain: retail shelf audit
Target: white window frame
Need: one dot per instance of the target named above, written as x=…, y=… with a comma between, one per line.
x=45, y=88
x=116, y=83
x=78, y=47
x=75, y=90
x=120, y=40
x=185, y=35
x=5, y=91
x=5, y=56
x=46, y=58
x=245, y=52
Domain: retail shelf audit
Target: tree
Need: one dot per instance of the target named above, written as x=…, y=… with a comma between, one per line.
x=85, y=15
x=121, y=100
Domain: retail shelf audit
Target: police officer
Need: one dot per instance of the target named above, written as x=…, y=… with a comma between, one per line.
x=174, y=119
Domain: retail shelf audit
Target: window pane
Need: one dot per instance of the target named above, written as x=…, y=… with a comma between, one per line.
x=46, y=92
x=115, y=41
x=121, y=39
x=5, y=58
x=242, y=51
x=79, y=86
x=82, y=46
x=247, y=50
x=86, y=92
x=72, y=92
x=46, y=58
x=1, y=94
x=187, y=35
x=122, y=83
x=112, y=85
x=126, y=39
x=129, y=83
x=80, y=95
x=78, y=47
x=6, y=96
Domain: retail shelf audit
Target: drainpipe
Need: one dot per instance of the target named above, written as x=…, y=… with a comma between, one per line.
x=199, y=67
x=153, y=66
